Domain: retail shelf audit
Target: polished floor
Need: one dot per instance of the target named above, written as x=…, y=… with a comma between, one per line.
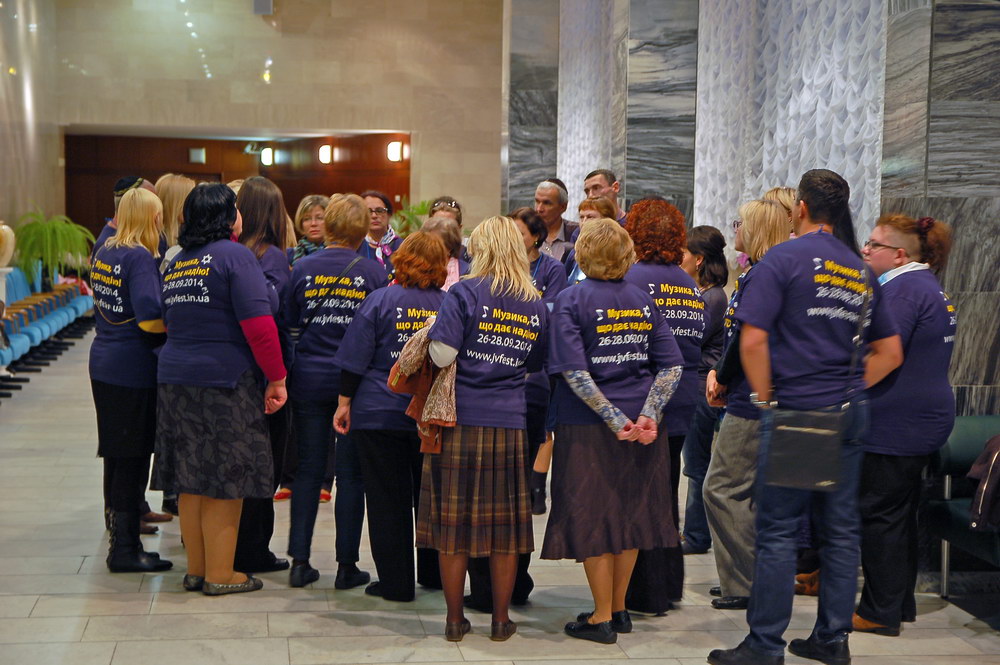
x=58, y=603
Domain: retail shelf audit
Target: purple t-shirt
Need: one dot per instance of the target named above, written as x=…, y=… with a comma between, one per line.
x=807, y=294
x=677, y=297
x=498, y=338
x=381, y=326
x=612, y=330
x=277, y=272
x=738, y=391
x=126, y=284
x=549, y=277
x=322, y=307
x=207, y=291
x=913, y=409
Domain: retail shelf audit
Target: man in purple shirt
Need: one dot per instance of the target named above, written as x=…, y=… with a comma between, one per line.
x=799, y=319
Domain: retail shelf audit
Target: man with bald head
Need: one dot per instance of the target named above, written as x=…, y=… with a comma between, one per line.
x=551, y=199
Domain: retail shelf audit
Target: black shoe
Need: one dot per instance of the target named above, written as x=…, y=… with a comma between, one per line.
x=831, y=653
x=743, y=655
x=715, y=591
x=350, y=577
x=484, y=607
x=125, y=553
x=170, y=506
x=373, y=589
x=731, y=603
x=269, y=563
x=595, y=632
x=687, y=549
x=621, y=622
x=302, y=574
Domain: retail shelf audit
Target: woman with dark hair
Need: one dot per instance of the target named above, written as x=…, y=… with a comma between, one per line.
x=474, y=498
x=129, y=324
x=658, y=230
x=618, y=364
x=212, y=437
x=800, y=317
x=380, y=241
x=326, y=289
x=385, y=436
x=912, y=413
x=263, y=211
x=705, y=262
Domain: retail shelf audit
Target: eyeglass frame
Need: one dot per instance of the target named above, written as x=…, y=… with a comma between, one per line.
x=446, y=204
x=378, y=211
x=873, y=246
x=737, y=223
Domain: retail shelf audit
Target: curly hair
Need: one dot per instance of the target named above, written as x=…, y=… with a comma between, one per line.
x=209, y=215
x=421, y=262
x=658, y=230
x=604, y=250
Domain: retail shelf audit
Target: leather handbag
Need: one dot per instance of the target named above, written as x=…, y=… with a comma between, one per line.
x=803, y=450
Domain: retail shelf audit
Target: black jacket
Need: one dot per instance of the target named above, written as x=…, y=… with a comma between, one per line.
x=985, y=513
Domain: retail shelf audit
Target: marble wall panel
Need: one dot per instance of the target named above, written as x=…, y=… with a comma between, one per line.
x=976, y=361
x=966, y=51
x=907, y=75
x=963, y=146
x=533, y=99
x=336, y=65
x=977, y=400
x=30, y=141
x=662, y=73
x=777, y=97
x=593, y=56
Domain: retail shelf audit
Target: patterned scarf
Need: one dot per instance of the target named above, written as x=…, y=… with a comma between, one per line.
x=305, y=248
x=383, y=249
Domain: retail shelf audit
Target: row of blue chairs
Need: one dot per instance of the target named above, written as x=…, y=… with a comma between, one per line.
x=35, y=322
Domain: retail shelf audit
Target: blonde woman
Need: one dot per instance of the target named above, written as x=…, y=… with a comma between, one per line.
x=172, y=190
x=309, y=226
x=784, y=196
x=123, y=369
x=474, y=497
x=729, y=482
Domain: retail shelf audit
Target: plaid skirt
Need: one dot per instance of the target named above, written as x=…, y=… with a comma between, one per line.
x=474, y=495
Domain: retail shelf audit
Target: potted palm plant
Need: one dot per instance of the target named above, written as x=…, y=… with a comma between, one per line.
x=407, y=219
x=51, y=243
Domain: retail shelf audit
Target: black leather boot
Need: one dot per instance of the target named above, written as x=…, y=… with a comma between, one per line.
x=537, y=484
x=125, y=553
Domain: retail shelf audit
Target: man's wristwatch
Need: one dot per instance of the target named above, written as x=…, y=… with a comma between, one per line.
x=759, y=403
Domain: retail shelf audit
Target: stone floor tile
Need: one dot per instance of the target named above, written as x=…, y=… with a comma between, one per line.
x=61, y=629
x=266, y=600
x=333, y=624
x=264, y=651
x=16, y=606
x=64, y=653
x=382, y=649
x=535, y=646
x=92, y=604
x=176, y=627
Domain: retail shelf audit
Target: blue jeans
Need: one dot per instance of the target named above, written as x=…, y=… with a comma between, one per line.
x=313, y=428
x=838, y=531
x=697, y=454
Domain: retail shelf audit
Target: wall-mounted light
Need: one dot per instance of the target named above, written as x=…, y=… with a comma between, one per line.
x=338, y=155
x=196, y=155
x=267, y=156
x=394, y=151
x=325, y=153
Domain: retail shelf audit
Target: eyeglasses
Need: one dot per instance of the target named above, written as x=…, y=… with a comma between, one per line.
x=737, y=223
x=447, y=204
x=378, y=211
x=873, y=246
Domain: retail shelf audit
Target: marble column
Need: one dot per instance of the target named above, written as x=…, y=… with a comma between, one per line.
x=942, y=135
x=532, y=98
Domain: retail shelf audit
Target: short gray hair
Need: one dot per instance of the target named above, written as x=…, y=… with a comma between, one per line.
x=548, y=184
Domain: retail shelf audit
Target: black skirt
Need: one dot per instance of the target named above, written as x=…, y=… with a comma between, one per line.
x=214, y=441
x=608, y=496
x=126, y=420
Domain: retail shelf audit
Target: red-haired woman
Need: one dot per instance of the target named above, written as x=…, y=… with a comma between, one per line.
x=905, y=253
x=658, y=231
x=386, y=437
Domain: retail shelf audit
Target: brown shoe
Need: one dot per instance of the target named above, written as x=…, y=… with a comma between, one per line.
x=807, y=584
x=865, y=626
x=157, y=517
x=500, y=631
x=454, y=632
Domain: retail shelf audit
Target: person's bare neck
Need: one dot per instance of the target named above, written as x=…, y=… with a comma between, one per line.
x=554, y=228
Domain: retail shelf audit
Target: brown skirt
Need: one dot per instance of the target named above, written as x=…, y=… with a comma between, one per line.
x=474, y=496
x=608, y=496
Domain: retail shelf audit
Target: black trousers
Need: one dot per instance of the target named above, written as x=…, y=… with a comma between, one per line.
x=890, y=493
x=125, y=483
x=391, y=465
x=253, y=542
x=658, y=578
x=291, y=463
